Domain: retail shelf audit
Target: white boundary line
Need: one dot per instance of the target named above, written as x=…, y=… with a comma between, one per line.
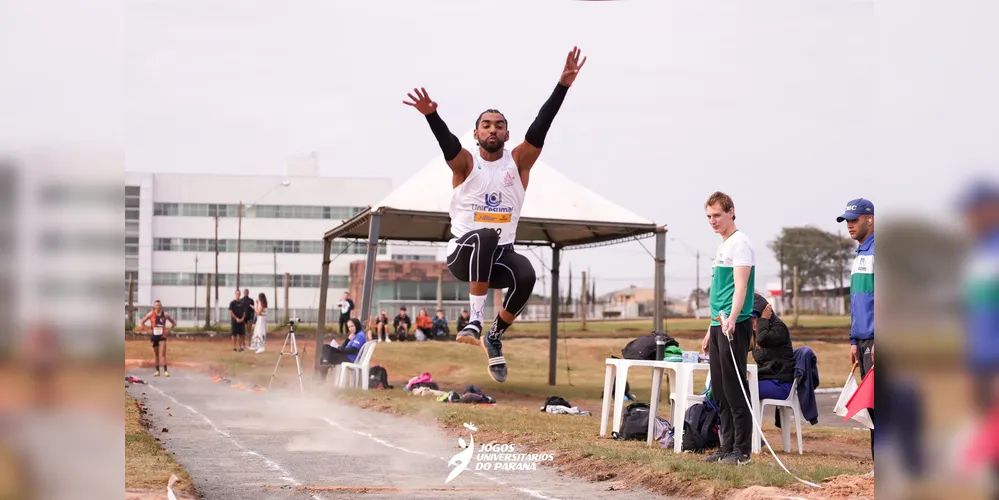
x=272, y=465
x=383, y=442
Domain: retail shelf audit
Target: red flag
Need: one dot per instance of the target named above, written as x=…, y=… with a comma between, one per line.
x=862, y=398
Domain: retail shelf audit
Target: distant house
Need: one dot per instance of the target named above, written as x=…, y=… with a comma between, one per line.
x=641, y=302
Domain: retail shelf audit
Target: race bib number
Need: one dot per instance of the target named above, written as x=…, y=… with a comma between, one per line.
x=157, y=330
x=492, y=218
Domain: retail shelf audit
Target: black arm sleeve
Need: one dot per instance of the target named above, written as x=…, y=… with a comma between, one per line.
x=536, y=133
x=349, y=349
x=450, y=144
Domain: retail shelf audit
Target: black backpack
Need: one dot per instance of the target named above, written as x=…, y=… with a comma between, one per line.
x=556, y=401
x=644, y=347
x=378, y=378
x=634, y=423
x=700, y=427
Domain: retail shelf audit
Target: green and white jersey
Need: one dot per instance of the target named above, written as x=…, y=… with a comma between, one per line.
x=736, y=251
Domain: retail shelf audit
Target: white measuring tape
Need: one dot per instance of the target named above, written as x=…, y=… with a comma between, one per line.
x=750, y=406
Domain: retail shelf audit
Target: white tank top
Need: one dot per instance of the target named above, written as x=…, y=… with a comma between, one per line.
x=491, y=197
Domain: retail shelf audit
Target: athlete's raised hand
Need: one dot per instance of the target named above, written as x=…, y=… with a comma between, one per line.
x=572, y=67
x=421, y=101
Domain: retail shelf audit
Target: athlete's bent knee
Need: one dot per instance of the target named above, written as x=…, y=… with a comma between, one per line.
x=525, y=275
x=488, y=237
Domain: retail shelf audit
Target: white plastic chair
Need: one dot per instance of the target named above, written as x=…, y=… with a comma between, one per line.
x=358, y=369
x=787, y=407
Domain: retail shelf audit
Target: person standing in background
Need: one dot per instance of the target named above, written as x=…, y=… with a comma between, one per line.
x=980, y=205
x=158, y=336
x=346, y=308
x=859, y=217
x=259, y=342
x=237, y=315
x=249, y=307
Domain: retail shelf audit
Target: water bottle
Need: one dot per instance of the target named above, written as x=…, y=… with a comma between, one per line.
x=660, y=347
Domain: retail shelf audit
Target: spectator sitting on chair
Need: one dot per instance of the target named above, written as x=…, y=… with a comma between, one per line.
x=402, y=324
x=440, y=328
x=772, y=351
x=333, y=356
x=463, y=320
x=424, y=326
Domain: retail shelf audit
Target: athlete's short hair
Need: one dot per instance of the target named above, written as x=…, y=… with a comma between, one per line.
x=722, y=199
x=479, y=119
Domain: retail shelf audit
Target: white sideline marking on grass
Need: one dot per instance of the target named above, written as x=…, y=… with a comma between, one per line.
x=828, y=391
x=272, y=465
x=383, y=442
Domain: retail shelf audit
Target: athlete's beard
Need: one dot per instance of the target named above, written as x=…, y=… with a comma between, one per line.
x=494, y=148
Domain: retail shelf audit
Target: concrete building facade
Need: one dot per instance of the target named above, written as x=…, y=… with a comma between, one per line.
x=172, y=223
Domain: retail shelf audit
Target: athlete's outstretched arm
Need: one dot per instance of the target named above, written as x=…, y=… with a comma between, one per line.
x=528, y=152
x=459, y=159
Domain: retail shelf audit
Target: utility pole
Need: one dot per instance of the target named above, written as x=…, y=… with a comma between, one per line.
x=218, y=319
x=697, y=273
x=795, y=303
x=783, y=289
x=208, y=301
x=440, y=290
x=195, y=313
x=275, y=315
x=131, y=299
x=583, y=303
x=287, y=305
x=239, y=243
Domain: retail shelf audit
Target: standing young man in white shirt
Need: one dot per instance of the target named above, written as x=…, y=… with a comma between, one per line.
x=733, y=279
x=489, y=188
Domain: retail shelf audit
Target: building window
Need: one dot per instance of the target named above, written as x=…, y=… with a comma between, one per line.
x=410, y=257
x=258, y=246
x=256, y=211
x=248, y=280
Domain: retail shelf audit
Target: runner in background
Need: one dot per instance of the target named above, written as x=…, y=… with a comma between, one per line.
x=158, y=335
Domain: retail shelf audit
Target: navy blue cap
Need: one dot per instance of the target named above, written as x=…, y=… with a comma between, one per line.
x=856, y=208
x=978, y=193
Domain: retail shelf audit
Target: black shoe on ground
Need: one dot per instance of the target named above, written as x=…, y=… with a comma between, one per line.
x=497, y=363
x=470, y=334
x=717, y=456
x=736, y=458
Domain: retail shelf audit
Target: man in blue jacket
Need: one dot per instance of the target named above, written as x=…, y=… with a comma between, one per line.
x=859, y=217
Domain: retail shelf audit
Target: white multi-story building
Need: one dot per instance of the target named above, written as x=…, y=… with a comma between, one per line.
x=172, y=223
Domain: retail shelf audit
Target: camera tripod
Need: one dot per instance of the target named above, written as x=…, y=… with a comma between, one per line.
x=294, y=352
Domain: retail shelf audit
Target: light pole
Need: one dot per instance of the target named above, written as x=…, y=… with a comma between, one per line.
x=697, y=272
x=239, y=237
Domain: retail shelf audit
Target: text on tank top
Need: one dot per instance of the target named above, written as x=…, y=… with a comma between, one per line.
x=491, y=197
x=159, y=321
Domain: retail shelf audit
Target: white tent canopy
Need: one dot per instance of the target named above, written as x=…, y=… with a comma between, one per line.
x=557, y=210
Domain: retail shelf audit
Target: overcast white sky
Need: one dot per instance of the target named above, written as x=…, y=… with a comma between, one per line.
x=792, y=107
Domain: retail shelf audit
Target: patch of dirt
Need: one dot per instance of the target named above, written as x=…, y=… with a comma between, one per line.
x=133, y=363
x=838, y=487
x=445, y=370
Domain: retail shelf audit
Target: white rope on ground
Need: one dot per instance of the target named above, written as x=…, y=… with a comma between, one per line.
x=749, y=405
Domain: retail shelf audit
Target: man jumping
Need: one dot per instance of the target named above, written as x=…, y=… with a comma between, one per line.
x=489, y=188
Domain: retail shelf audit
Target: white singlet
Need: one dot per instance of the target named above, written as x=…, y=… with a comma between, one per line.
x=491, y=197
